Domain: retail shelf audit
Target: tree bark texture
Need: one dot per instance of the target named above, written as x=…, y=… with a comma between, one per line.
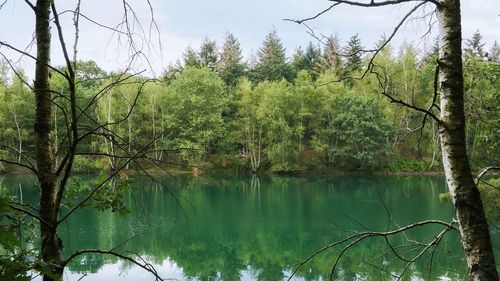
x=465, y=194
x=50, y=243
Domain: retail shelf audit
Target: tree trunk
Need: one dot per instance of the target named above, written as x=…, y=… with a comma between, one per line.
x=2, y=168
x=56, y=140
x=162, y=138
x=465, y=195
x=129, y=130
x=112, y=159
x=19, y=138
x=50, y=243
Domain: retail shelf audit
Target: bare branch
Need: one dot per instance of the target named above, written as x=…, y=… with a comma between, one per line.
x=26, y=212
x=114, y=29
x=29, y=4
x=371, y=63
x=76, y=21
x=372, y=3
x=73, y=132
x=61, y=41
x=382, y=83
x=83, y=112
x=358, y=237
x=18, y=75
x=484, y=171
x=376, y=51
x=154, y=24
x=118, y=81
x=434, y=243
x=19, y=164
x=88, y=197
x=32, y=57
x=17, y=151
x=4, y=2
x=315, y=16
x=145, y=266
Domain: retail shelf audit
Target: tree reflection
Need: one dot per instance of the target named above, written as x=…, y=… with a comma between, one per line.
x=263, y=227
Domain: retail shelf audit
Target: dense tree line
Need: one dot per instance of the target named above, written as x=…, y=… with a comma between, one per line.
x=270, y=112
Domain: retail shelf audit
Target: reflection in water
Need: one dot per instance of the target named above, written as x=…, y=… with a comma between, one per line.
x=246, y=228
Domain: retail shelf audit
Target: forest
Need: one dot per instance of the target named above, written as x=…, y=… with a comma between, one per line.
x=332, y=161
x=214, y=110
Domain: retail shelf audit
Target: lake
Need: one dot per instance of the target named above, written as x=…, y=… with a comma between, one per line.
x=249, y=228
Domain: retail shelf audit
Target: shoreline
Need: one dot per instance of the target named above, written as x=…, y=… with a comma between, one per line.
x=199, y=172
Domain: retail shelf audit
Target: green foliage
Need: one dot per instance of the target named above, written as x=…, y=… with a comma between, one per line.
x=308, y=60
x=16, y=115
x=191, y=58
x=88, y=165
x=208, y=55
x=482, y=105
x=444, y=197
x=490, y=194
x=283, y=129
x=193, y=108
x=272, y=119
x=494, y=53
x=269, y=113
x=82, y=164
x=353, y=62
x=171, y=72
x=361, y=132
x=402, y=164
x=108, y=196
x=89, y=74
x=15, y=260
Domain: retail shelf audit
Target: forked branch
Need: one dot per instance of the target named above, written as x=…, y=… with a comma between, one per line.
x=146, y=266
x=361, y=236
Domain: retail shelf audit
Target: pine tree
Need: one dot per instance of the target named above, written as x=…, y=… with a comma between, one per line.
x=191, y=58
x=272, y=64
x=230, y=66
x=298, y=60
x=171, y=72
x=494, y=53
x=308, y=60
x=331, y=59
x=208, y=54
x=353, y=52
x=474, y=46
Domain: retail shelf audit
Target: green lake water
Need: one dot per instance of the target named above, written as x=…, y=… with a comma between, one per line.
x=248, y=228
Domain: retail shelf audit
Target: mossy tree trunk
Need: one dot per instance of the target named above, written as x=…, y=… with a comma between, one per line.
x=51, y=245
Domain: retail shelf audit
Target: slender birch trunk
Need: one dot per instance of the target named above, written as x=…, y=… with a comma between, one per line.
x=19, y=138
x=112, y=159
x=465, y=194
x=129, y=133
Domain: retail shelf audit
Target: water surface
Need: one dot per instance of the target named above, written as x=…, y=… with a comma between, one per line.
x=244, y=228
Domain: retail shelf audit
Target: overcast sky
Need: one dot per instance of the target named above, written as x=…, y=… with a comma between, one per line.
x=184, y=23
